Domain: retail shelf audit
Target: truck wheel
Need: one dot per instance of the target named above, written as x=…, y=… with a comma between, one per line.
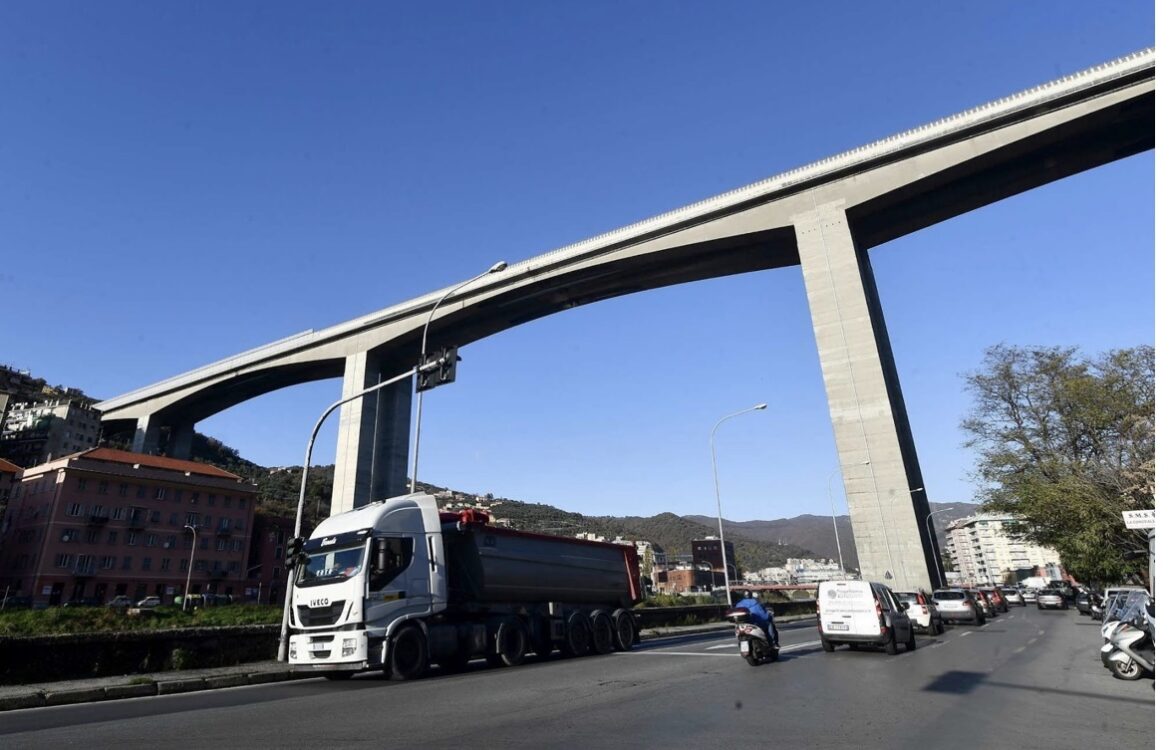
x=576, y=641
x=511, y=643
x=600, y=632
x=625, y=630
x=409, y=658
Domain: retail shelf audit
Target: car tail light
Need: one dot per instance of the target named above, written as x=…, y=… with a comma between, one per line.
x=877, y=605
x=967, y=604
x=921, y=599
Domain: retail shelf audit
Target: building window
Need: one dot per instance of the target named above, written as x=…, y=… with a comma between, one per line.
x=220, y=544
x=81, y=482
x=103, y=487
x=99, y=511
x=210, y=500
x=62, y=560
x=119, y=514
x=166, y=564
x=146, y=563
x=91, y=536
x=200, y=565
x=174, y=519
x=131, y=538
x=169, y=542
x=243, y=504
x=203, y=543
x=178, y=496
x=183, y=565
x=69, y=535
x=75, y=509
x=123, y=488
x=112, y=538
x=160, y=493
x=108, y=562
x=139, y=490
x=194, y=498
x=126, y=562
x=151, y=540
x=193, y=519
x=207, y=521
x=155, y=516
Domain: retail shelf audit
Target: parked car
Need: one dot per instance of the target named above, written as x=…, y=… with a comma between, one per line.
x=1085, y=601
x=1014, y=597
x=1029, y=594
x=984, y=604
x=995, y=598
x=150, y=602
x=923, y=614
x=1051, y=599
x=862, y=613
x=120, y=602
x=957, y=605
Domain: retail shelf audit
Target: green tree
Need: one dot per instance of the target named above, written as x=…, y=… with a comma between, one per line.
x=1065, y=444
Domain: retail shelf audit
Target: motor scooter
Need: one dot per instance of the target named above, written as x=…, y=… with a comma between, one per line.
x=754, y=645
x=1130, y=652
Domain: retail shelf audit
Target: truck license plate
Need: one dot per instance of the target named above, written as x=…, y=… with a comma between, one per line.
x=838, y=626
x=744, y=647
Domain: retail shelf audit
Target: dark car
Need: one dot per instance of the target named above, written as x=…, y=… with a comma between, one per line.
x=1086, y=600
x=989, y=609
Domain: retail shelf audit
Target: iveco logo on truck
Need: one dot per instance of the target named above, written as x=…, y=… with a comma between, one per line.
x=319, y=603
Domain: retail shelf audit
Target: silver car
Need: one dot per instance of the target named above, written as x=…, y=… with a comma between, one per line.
x=1051, y=599
x=956, y=605
x=1014, y=597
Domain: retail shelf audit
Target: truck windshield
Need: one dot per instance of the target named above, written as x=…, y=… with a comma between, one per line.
x=332, y=565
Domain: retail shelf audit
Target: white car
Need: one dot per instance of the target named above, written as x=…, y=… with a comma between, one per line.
x=923, y=614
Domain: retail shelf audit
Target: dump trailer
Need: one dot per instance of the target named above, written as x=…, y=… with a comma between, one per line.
x=398, y=586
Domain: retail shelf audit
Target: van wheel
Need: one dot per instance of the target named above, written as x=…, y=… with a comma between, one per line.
x=892, y=644
x=625, y=630
x=408, y=654
x=827, y=646
x=600, y=632
x=576, y=641
x=911, y=644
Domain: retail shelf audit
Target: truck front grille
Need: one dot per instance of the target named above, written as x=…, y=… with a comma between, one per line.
x=318, y=616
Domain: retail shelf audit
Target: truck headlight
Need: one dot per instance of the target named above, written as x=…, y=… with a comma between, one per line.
x=348, y=646
x=292, y=651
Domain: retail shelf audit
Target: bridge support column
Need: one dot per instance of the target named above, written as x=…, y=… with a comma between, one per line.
x=146, y=435
x=179, y=445
x=874, y=444
x=373, y=437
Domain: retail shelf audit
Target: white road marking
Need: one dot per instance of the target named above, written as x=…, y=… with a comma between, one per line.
x=1020, y=650
x=669, y=653
x=792, y=647
x=1032, y=641
x=723, y=645
x=964, y=635
x=1041, y=633
x=795, y=646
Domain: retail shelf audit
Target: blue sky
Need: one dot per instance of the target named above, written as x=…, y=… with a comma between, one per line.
x=184, y=182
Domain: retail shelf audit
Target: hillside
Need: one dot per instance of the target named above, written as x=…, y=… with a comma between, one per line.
x=815, y=533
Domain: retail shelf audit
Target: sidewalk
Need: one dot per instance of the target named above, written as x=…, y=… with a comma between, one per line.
x=117, y=687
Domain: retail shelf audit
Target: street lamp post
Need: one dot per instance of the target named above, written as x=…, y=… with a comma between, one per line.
x=833, y=510
x=496, y=268
x=190, y=563
x=934, y=552
x=282, y=651
x=718, y=503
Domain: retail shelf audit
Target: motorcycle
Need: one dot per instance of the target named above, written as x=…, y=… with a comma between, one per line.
x=1129, y=654
x=754, y=645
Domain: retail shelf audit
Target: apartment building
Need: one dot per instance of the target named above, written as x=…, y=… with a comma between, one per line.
x=984, y=551
x=104, y=522
x=707, y=551
x=35, y=432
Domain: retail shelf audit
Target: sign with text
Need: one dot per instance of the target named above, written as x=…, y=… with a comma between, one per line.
x=1139, y=519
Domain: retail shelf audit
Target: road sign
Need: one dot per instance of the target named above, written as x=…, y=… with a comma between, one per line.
x=1139, y=519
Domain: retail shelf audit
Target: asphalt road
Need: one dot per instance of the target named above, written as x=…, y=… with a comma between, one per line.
x=1029, y=679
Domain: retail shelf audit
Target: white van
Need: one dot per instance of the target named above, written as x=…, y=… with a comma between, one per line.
x=862, y=612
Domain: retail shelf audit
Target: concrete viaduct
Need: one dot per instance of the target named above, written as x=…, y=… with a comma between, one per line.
x=823, y=217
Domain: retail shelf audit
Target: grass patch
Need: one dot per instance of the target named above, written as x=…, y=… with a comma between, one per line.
x=82, y=620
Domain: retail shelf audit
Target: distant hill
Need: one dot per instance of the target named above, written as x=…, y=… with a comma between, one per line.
x=815, y=533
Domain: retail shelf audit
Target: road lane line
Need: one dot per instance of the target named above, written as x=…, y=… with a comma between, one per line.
x=1032, y=641
x=964, y=635
x=1020, y=650
x=1041, y=633
x=722, y=645
x=795, y=646
x=670, y=653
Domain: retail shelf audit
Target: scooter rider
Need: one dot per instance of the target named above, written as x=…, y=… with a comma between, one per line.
x=758, y=615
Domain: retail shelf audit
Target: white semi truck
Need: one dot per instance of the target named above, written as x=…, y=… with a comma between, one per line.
x=398, y=585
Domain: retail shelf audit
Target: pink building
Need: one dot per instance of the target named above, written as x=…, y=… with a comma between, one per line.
x=105, y=522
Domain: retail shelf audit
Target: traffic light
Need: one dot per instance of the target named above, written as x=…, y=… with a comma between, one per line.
x=438, y=369
x=292, y=551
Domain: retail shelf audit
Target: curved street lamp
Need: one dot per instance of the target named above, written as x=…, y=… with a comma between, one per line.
x=935, y=552
x=496, y=268
x=718, y=503
x=833, y=510
x=191, y=563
